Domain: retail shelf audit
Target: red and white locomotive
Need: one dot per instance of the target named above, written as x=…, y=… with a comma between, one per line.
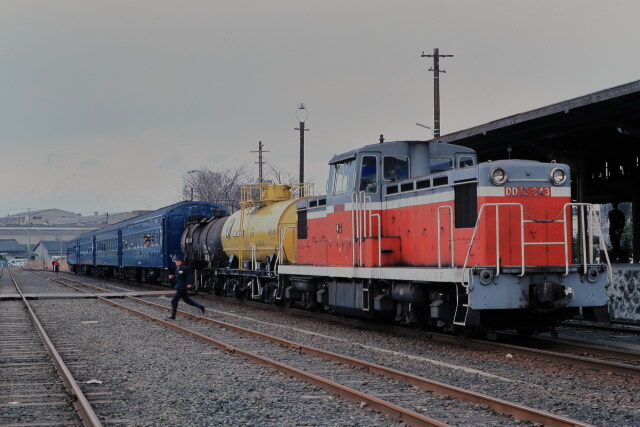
x=421, y=233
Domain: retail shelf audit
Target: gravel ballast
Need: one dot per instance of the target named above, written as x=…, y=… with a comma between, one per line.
x=587, y=395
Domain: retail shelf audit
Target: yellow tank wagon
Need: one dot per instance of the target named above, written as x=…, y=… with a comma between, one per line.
x=265, y=225
x=238, y=255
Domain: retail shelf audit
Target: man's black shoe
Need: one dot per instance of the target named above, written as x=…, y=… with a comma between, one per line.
x=202, y=310
x=170, y=318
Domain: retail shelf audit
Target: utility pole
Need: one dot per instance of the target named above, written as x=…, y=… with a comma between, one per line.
x=302, y=115
x=260, y=162
x=436, y=87
x=29, y=234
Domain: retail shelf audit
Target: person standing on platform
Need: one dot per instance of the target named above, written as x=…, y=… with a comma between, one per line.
x=616, y=226
x=56, y=266
x=182, y=280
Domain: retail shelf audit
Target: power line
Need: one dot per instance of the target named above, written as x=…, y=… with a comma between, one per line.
x=260, y=161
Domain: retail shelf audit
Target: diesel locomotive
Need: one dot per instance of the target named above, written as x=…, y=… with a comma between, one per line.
x=415, y=232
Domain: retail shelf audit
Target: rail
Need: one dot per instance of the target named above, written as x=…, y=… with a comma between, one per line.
x=80, y=401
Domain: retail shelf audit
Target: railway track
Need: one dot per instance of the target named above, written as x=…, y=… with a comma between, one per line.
x=614, y=326
x=399, y=394
x=36, y=384
x=596, y=357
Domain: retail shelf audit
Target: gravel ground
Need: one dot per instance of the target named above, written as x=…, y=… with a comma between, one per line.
x=590, y=396
x=161, y=377
x=587, y=395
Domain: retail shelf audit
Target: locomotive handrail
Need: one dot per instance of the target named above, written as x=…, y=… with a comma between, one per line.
x=283, y=233
x=361, y=214
x=585, y=234
x=451, y=240
x=475, y=230
x=592, y=221
x=353, y=228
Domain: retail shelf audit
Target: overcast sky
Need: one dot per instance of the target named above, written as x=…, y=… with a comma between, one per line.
x=104, y=105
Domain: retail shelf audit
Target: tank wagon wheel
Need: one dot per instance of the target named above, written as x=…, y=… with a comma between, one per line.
x=269, y=292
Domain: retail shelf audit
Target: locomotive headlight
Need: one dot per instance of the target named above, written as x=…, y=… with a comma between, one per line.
x=558, y=176
x=498, y=176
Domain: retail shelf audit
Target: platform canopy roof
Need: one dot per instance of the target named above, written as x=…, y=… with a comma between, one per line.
x=597, y=134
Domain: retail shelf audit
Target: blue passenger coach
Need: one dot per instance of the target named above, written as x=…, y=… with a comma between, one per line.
x=141, y=248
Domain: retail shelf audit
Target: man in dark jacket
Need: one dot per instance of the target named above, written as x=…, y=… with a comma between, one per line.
x=616, y=227
x=182, y=279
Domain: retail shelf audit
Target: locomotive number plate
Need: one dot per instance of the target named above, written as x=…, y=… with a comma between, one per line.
x=527, y=191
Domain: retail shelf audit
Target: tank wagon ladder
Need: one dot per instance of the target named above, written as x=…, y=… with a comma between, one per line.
x=462, y=291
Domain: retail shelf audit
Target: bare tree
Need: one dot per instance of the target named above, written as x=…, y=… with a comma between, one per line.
x=281, y=176
x=221, y=186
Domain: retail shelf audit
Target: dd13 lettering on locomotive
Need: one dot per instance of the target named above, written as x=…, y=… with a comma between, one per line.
x=527, y=191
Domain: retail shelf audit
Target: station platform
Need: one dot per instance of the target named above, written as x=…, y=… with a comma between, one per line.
x=624, y=292
x=68, y=295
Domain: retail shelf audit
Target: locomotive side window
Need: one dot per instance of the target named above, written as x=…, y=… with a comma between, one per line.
x=395, y=168
x=441, y=164
x=344, y=177
x=369, y=175
x=466, y=200
x=465, y=161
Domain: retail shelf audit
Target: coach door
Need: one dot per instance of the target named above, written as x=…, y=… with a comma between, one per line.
x=120, y=248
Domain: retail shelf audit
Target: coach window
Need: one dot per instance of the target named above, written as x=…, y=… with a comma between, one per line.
x=369, y=174
x=343, y=177
x=441, y=164
x=395, y=168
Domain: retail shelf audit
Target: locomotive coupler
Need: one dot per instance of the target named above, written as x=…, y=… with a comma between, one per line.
x=550, y=296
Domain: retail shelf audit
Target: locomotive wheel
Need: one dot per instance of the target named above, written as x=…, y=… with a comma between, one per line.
x=525, y=331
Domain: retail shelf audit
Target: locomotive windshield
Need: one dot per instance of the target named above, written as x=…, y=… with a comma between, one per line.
x=342, y=177
x=441, y=164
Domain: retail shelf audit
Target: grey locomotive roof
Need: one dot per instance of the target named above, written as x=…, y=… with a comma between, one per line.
x=404, y=148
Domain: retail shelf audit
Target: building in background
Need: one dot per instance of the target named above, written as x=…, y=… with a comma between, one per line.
x=10, y=249
x=46, y=251
x=41, y=217
x=29, y=228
